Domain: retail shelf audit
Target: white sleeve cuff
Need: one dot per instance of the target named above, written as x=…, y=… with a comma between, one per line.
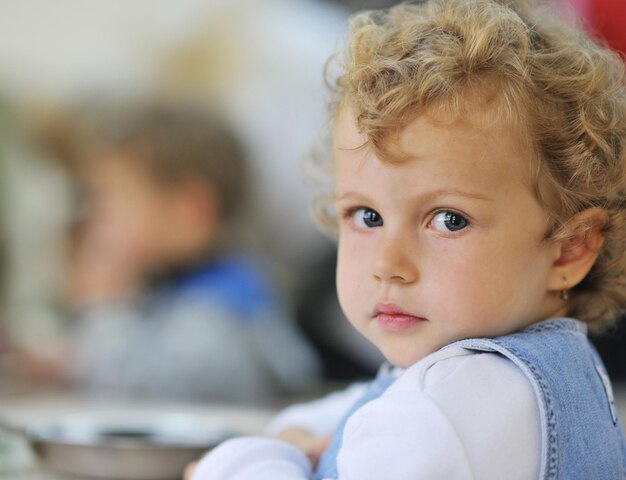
x=253, y=458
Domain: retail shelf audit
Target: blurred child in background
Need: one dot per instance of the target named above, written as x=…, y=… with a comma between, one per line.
x=166, y=308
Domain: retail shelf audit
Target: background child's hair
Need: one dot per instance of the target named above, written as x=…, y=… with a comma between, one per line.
x=533, y=70
x=177, y=144
x=174, y=142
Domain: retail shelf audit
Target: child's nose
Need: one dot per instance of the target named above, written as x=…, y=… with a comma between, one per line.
x=392, y=260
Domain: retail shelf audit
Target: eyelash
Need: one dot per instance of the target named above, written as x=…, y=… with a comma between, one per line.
x=348, y=213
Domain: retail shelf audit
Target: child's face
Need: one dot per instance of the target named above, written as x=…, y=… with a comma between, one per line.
x=444, y=245
x=127, y=209
x=148, y=222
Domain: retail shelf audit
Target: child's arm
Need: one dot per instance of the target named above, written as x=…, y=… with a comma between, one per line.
x=313, y=446
x=466, y=416
x=306, y=426
x=252, y=458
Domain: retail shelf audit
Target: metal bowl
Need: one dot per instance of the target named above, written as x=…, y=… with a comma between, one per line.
x=124, y=445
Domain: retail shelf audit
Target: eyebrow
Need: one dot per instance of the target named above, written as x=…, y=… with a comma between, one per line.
x=425, y=197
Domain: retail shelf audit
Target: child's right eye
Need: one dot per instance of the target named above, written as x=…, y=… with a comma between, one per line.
x=367, y=218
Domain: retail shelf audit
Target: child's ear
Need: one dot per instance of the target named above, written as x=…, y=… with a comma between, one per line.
x=577, y=253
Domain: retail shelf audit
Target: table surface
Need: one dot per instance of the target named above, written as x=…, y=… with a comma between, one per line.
x=23, y=409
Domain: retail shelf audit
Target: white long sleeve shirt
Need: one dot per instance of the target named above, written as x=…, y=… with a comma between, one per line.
x=455, y=414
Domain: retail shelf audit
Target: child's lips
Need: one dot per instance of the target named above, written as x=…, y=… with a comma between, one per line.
x=393, y=318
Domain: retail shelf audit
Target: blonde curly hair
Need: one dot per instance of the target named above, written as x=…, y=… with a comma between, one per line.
x=566, y=92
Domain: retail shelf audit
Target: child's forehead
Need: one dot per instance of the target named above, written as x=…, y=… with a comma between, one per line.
x=444, y=152
x=477, y=123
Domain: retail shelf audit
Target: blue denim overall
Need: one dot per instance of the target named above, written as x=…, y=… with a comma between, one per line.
x=582, y=436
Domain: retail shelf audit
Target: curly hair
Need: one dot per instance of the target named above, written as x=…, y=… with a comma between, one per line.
x=565, y=90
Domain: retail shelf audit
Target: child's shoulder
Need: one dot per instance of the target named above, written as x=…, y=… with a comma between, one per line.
x=468, y=407
x=456, y=381
x=459, y=371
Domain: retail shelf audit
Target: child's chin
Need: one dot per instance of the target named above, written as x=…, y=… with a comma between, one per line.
x=404, y=360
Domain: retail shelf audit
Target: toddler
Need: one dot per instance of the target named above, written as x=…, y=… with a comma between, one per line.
x=167, y=306
x=479, y=181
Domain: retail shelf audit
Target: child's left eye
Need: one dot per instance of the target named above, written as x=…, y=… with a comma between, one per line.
x=449, y=221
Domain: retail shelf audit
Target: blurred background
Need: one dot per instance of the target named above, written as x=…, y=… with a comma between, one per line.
x=94, y=271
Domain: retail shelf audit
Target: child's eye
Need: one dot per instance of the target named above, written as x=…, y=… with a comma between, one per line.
x=449, y=221
x=367, y=218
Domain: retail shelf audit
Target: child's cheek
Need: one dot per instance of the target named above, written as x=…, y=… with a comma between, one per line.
x=352, y=272
x=459, y=287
